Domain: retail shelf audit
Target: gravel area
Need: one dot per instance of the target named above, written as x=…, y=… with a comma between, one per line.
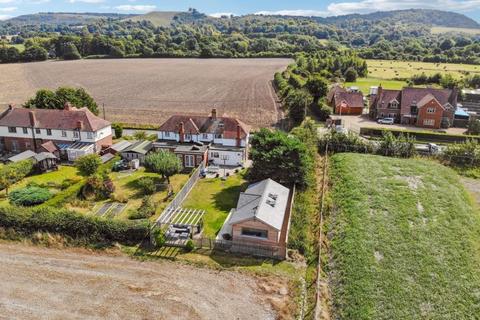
x=42, y=283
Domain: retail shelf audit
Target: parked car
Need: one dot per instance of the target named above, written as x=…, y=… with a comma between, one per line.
x=120, y=166
x=386, y=121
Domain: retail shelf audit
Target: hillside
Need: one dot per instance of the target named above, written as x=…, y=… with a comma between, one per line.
x=61, y=18
x=158, y=18
x=412, y=16
x=404, y=240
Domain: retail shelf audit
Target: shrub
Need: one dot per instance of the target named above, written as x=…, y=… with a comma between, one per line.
x=98, y=186
x=14, y=172
x=159, y=237
x=344, y=142
x=29, y=196
x=189, y=246
x=118, y=129
x=88, y=165
x=88, y=228
x=146, y=210
x=465, y=154
x=401, y=146
x=147, y=185
x=323, y=111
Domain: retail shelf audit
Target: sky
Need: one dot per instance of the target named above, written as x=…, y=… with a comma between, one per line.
x=11, y=8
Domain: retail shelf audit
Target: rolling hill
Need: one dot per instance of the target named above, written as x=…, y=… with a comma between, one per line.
x=158, y=18
x=61, y=18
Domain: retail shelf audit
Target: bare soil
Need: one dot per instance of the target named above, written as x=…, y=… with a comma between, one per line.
x=150, y=90
x=41, y=283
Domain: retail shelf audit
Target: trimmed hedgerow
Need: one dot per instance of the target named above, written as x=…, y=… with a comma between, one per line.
x=29, y=196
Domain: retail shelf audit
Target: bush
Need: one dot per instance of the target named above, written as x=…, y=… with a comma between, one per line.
x=88, y=228
x=118, y=129
x=147, y=185
x=146, y=210
x=159, y=237
x=465, y=154
x=88, y=165
x=401, y=146
x=323, y=111
x=29, y=196
x=189, y=246
x=98, y=186
x=344, y=142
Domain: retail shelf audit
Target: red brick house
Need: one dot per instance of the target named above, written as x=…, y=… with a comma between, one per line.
x=422, y=107
x=48, y=130
x=345, y=102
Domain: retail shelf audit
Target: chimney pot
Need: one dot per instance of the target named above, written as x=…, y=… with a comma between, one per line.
x=214, y=113
x=33, y=121
x=10, y=106
x=79, y=124
x=67, y=106
x=239, y=139
x=181, y=132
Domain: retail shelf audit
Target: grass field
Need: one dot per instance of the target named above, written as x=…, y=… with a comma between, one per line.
x=441, y=30
x=148, y=91
x=164, y=18
x=216, y=197
x=386, y=69
x=364, y=84
x=405, y=240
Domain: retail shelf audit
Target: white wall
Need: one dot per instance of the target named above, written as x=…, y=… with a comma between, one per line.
x=57, y=134
x=234, y=157
x=174, y=136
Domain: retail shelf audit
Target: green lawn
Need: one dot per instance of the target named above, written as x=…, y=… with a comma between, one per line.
x=52, y=180
x=364, y=84
x=126, y=188
x=216, y=197
x=405, y=240
x=390, y=69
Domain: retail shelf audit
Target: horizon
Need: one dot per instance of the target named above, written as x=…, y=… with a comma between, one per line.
x=14, y=8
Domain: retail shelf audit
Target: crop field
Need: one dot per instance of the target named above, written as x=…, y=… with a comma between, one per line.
x=364, y=84
x=441, y=30
x=405, y=240
x=150, y=90
x=389, y=69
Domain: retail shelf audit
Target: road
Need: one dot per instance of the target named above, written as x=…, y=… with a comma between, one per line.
x=41, y=283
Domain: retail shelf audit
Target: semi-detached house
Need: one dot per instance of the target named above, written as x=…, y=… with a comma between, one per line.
x=196, y=139
x=70, y=132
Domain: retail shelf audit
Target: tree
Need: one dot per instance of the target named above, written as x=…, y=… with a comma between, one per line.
x=351, y=75
x=297, y=102
x=34, y=53
x=118, y=129
x=281, y=157
x=70, y=52
x=88, y=165
x=47, y=99
x=318, y=86
x=474, y=126
x=164, y=163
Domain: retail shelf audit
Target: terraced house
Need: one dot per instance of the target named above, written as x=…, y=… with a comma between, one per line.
x=196, y=139
x=422, y=107
x=70, y=132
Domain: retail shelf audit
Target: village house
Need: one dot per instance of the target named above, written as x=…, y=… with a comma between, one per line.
x=345, y=102
x=422, y=107
x=260, y=222
x=205, y=139
x=68, y=133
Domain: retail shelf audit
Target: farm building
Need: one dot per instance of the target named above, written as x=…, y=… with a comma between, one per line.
x=42, y=130
x=137, y=150
x=422, y=107
x=261, y=219
x=225, y=139
x=345, y=102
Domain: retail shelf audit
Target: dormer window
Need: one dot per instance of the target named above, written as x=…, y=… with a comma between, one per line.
x=394, y=105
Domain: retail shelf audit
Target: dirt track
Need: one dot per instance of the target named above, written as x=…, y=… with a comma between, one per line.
x=40, y=283
x=150, y=90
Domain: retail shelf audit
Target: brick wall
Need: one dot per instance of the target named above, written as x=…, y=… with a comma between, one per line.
x=435, y=118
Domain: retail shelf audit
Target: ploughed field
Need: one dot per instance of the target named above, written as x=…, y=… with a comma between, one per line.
x=405, y=240
x=150, y=90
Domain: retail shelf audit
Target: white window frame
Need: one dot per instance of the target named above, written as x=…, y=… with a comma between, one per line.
x=189, y=161
x=429, y=122
x=12, y=129
x=205, y=136
x=49, y=132
x=431, y=110
x=218, y=136
x=215, y=154
x=76, y=134
x=64, y=133
x=89, y=135
x=25, y=130
x=166, y=134
x=38, y=131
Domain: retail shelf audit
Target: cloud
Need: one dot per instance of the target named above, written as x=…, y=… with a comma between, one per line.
x=299, y=12
x=367, y=6
x=140, y=7
x=8, y=9
x=4, y=17
x=86, y=1
x=7, y=1
x=221, y=14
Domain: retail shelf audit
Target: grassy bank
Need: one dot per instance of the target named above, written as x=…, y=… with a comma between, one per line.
x=405, y=240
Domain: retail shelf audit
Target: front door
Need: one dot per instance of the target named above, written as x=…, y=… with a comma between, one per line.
x=189, y=161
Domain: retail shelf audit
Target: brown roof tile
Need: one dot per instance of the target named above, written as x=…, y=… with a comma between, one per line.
x=53, y=119
x=353, y=99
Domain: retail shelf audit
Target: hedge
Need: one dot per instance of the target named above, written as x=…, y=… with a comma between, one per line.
x=92, y=229
x=419, y=135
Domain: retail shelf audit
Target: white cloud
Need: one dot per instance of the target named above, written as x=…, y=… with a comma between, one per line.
x=4, y=17
x=7, y=1
x=140, y=7
x=86, y=1
x=299, y=12
x=8, y=9
x=221, y=14
x=367, y=6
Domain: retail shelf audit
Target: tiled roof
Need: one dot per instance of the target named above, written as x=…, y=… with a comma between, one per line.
x=353, y=99
x=201, y=124
x=412, y=96
x=53, y=119
x=49, y=146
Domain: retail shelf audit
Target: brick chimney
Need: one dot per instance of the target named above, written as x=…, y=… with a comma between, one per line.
x=79, y=125
x=32, y=118
x=181, y=132
x=214, y=114
x=238, y=138
x=67, y=106
x=10, y=107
